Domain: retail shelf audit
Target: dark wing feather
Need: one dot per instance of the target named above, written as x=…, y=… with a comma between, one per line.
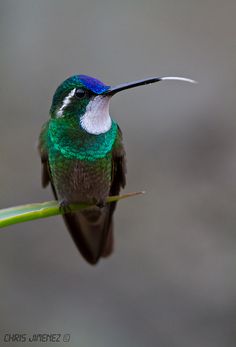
x=118, y=182
x=45, y=174
x=43, y=151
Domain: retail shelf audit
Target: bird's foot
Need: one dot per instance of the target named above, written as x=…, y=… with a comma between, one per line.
x=100, y=203
x=64, y=206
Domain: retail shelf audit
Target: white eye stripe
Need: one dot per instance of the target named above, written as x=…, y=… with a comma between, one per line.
x=66, y=102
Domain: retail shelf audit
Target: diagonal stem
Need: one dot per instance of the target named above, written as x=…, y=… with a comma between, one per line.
x=25, y=213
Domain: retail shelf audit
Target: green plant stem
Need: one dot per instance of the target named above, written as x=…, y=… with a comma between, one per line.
x=25, y=213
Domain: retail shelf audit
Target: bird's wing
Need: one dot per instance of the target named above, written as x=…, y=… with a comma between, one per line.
x=118, y=166
x=118, y=182
x=43, y=151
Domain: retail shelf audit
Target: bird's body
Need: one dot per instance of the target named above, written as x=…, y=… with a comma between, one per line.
x=83, y=167
x=84, y=159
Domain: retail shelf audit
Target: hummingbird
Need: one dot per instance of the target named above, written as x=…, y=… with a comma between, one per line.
x=83, y=158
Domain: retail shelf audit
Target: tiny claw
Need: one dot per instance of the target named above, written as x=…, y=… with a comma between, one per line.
x=100, y=203
x=64, y=207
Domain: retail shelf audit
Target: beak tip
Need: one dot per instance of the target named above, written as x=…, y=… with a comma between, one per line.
x=176, y=78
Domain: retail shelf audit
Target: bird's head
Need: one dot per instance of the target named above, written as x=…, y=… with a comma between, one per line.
x=86, y=99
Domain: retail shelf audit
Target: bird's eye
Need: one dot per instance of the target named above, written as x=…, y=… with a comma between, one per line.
x=80, y=93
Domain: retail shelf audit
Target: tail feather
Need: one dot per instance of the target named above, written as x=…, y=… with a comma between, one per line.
x=91, y=231
x=109, y=244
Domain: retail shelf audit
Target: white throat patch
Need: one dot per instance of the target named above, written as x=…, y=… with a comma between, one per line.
x=96, y=119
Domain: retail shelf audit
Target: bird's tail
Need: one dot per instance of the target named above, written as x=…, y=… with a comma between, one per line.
x=92, y=232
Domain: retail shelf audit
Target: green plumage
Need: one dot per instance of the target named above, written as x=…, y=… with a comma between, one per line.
x=69, y=148
x=74, y=143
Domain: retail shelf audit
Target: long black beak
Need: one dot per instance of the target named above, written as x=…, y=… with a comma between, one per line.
x=120, y=87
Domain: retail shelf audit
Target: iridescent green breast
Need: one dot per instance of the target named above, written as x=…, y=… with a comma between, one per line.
x=75, y=143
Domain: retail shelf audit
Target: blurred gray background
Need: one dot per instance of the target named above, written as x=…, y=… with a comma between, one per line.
x=171, y=281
